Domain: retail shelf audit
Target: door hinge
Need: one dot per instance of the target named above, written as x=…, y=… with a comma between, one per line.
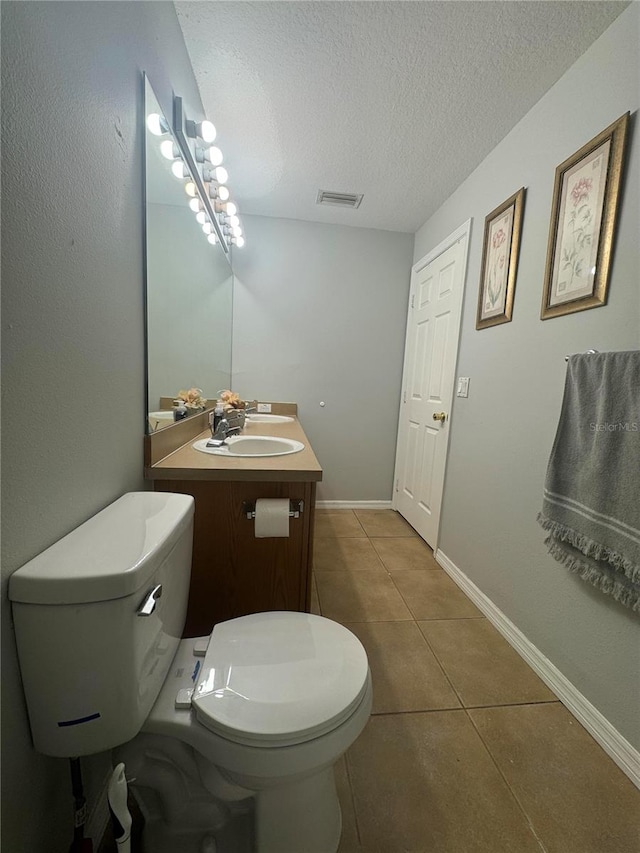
x=398, y=484
x=404, y=396
x=413, y=297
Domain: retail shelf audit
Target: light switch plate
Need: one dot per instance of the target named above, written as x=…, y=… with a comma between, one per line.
x=265, y=408
x=463, y=386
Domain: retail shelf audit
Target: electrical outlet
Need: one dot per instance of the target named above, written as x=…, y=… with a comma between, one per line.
x=463, y=386
x=265, y=408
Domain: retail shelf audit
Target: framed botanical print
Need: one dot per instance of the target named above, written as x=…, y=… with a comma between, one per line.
x=501, y=247
x=583, y=219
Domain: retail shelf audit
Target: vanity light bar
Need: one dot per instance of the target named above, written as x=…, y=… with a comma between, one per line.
x=219, y=175
x=211, y=155
x=186, y=130
x=204, y=130
x=169, y=149
x=180, y=169
x=157, y=124
x=217, y=192
x=210, y=177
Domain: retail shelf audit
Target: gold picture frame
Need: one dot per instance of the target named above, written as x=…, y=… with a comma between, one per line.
x=583, y=219
x=500, y=252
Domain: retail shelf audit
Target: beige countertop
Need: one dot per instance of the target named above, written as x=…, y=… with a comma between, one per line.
x=185, y=463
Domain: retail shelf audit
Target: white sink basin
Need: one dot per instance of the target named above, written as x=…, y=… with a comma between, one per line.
x=269, y=419
x=251, y=446
x=157, y=420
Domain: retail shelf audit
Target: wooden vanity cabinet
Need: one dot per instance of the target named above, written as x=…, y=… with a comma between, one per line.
x=234, y=573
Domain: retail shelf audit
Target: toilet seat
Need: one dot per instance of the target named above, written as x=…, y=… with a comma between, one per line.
x=279, y=678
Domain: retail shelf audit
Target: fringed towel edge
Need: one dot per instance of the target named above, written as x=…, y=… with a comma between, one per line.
x=563, y=533
x=619, y=587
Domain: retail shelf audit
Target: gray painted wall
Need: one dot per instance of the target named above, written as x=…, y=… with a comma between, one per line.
x=319, y=315
x=502, y=434
x=72, y=313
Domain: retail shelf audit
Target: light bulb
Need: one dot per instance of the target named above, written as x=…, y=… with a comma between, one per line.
x=190, y=189
x=212, y=239
x=221, y=174
x=223, y=193
x=206, y=130
x=194, y=204
x=201, y=217
x=236, y=230
x=207, y=228
x=233, y=220
x=230, y=208
x=179, y=169
x=214, y=155
x=157, y=124
x=238, y=241
x=167, y=149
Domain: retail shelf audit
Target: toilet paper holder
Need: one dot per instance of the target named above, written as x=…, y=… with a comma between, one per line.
x=296, y=509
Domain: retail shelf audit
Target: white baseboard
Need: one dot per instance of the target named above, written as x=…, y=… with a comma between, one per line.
x=353, y=504
x=614, y=744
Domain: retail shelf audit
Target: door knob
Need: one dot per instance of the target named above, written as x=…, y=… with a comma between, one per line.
x=440, y=416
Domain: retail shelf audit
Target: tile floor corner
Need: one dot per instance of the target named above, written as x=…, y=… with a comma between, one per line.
x=467, y=750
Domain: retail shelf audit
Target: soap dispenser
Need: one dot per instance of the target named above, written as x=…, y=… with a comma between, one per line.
x=180, y=411
x=218, y=415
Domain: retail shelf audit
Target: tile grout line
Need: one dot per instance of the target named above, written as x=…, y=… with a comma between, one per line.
x=529, y=820
x=462, y=707
x=493, y=761
x=353, y=799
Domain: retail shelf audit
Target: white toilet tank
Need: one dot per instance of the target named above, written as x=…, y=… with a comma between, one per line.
x=92, y=664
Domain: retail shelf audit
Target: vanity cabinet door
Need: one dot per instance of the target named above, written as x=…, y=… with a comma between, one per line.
x=234, y=573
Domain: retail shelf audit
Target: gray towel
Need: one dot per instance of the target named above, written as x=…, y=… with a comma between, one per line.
x=591, y=505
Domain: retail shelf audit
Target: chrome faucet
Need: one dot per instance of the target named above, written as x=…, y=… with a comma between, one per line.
x=220, y=434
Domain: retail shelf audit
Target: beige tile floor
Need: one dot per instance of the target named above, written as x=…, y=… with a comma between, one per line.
x=467, y=751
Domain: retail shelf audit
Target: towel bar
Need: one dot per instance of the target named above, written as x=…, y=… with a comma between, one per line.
x=589, y=352
x=296, y=508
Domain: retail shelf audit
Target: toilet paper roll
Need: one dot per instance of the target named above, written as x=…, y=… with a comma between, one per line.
x=272, y=517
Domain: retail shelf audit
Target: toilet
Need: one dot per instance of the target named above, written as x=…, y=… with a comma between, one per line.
x=230, y=740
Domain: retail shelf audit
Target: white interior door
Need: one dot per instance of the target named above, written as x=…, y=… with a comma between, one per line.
x=433, y=328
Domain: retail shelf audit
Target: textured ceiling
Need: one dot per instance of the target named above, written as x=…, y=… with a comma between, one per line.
x=397, y=100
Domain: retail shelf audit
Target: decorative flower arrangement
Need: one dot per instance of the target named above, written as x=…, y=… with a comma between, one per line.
x=231, y=400
x=192, y=399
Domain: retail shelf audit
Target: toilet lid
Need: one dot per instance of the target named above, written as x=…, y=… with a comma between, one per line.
x=279, y=678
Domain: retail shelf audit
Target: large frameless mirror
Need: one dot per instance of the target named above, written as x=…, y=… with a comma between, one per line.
x=189, y=283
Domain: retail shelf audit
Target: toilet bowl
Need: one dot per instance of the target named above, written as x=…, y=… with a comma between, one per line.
x=268, y=720
x=230, y=740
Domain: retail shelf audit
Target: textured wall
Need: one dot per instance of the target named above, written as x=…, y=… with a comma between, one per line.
x=319, y=315
x=502, y=434
x=73, y=410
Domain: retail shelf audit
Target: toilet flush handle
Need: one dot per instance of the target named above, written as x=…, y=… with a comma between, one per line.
x=149, y=604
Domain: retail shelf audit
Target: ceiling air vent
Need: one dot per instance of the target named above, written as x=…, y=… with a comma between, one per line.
x=338, y=199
